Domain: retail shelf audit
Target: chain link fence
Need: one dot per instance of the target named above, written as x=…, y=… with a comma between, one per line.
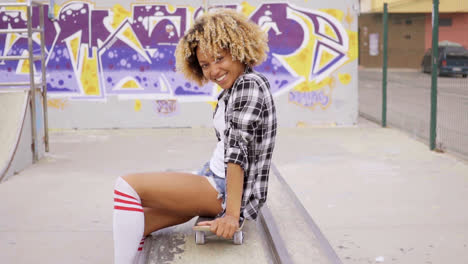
x=409, y=82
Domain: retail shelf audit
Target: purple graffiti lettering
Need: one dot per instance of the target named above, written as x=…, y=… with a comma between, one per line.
x=166, y=107
x=308, y=99
x=284, y=35
x=136, y=56
x=155, y=25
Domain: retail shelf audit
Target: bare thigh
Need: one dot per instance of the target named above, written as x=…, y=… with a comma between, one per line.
x=181, y=194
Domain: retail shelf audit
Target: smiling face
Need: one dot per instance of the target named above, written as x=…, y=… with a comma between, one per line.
x=221, y=69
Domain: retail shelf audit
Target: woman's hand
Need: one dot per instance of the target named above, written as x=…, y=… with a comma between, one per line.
x=227, y=225
x=224, y=226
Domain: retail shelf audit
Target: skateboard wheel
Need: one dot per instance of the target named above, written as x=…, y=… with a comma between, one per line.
x=238, y=238
x=199, y=238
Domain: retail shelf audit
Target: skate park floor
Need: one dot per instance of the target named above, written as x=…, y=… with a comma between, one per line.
x=377, y=195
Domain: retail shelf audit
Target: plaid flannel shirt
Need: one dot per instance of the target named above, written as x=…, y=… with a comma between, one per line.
x=249, y=137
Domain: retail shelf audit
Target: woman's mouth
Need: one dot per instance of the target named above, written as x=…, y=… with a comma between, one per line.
x=220, y=79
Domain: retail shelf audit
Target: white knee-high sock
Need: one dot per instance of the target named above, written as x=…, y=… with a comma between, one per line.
x=129, y=223
x=141, y=259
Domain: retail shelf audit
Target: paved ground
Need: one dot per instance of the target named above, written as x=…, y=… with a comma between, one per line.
x=414, y=79
x=375, y=193
x=409, y=105
x=378, y=194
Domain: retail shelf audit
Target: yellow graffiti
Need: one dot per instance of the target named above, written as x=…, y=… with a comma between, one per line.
x=25, y=67
x=57, y=103
x=330, y=32
x=12, y=39
x=137, y=105
x=89, y=75
x=130, y=85
x=56, y=10
x=213, y=104
x=120, y=14
x=74, y=44
x=218, y=88
x=247, y=9
x=171, y=8
x=336, y=13
x=353, y=46
x=129, y=34
x=22, y=9
x=326, y=58
x=344, y=78
x=301, y=124
x=307, y=86
x=191, y=10
x=349, y=18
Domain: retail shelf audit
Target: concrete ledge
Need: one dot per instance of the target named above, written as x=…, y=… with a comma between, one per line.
x=295, y=229
x=177, y=245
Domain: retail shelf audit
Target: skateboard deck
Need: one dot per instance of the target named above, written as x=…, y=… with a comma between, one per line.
x=201, y=232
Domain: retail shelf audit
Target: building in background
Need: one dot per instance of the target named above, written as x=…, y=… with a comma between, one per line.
x=409, y=30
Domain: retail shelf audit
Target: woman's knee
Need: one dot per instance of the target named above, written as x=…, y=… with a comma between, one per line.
x=129, y=180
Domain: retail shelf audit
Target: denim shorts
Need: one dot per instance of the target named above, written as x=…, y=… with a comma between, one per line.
x=217, y=182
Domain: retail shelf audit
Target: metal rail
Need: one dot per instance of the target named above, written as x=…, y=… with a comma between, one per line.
x=13, y=84
x=33, y=86
x=17, y=90
x=13, y=4
x=21, y=30
x=35, y=57
x=18, y=4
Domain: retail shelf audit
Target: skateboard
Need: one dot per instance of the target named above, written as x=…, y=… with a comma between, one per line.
x=201, y=232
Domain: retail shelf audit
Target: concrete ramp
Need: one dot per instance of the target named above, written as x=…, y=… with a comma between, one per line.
x=15, y=133
x=177, y=245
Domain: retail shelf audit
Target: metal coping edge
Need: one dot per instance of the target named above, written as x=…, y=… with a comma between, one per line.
x=329, y=251
x=275, y=241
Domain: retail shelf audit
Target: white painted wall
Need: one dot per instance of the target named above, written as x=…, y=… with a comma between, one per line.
x=86, y=93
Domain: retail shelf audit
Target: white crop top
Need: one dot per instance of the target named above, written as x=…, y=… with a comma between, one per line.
x=217, y=159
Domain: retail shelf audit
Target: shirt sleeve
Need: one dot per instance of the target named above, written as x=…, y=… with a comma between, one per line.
x=247, y=99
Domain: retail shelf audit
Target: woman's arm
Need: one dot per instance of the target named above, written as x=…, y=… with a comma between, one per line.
x=234, y=188
x=227, y=225
x=247, y=102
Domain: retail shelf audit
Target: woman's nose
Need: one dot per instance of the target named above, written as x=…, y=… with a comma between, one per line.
x=214, y=71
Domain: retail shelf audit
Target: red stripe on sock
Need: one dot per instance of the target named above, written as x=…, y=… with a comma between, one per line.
x=125, y=201
x=141, y=243
x=140, y=249
x=125, y=195
x=128, y=208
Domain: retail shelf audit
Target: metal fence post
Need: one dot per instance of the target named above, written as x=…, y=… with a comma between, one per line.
x=32, y=82
x=435, y=62
x=50, y=13
x=44, y=81
x=384, y=70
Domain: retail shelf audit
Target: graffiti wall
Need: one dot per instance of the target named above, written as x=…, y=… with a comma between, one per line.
x=114, y=66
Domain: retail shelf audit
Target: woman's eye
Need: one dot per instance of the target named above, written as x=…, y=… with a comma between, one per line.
x=203, y=66
x=219, y=59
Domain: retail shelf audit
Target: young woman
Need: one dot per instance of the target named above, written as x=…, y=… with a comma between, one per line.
x=221, y=47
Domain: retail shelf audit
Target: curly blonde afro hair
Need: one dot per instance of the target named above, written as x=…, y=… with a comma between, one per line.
x=213, y=32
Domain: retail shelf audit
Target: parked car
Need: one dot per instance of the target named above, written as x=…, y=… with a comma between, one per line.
x=453, y=60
